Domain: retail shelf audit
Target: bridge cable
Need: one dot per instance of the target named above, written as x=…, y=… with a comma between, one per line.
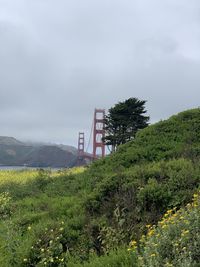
x=90, y=136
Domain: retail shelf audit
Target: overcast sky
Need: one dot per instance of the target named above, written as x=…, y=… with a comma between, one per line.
x=59, y=59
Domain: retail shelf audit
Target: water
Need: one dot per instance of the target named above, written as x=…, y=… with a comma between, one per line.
x=13, y=168
x=17, y=168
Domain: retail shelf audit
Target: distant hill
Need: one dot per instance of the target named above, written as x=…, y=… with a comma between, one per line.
x=6, y=140
x=16, y=153
x=71, y=149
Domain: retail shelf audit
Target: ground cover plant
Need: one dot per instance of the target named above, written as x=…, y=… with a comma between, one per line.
x=88, y=216
x=174, y=241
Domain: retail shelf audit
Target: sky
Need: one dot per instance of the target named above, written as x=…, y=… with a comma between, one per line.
x=60, y=59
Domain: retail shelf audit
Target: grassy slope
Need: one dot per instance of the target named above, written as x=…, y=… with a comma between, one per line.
x=157, y=170
x=176, y=137
x=173, y=242
x=106, y=206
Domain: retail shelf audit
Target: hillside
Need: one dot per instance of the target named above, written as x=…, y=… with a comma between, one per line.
x=88, y=217
x=49, y=156
x=176, y=137
x=17, y=153
x=68, y=148
x=6, y=140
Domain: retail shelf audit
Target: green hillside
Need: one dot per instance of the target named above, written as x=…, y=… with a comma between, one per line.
x=176, y=137
x=88, y=217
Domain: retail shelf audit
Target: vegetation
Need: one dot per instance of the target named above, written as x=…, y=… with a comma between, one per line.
x=174, y=242
x=129, y=209
x=124, y=120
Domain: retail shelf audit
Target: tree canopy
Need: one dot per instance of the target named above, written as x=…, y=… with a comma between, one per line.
x=124, y=120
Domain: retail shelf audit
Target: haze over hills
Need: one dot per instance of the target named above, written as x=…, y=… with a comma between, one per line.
x=6, y=140
x=17, y=153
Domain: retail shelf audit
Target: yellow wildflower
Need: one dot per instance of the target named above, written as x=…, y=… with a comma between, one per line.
x=133, y=243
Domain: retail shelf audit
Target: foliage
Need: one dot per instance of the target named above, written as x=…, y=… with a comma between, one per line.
x=115, y=258
x=113, y=237
x=5, y=209
x=124, y=120
x=173, y=138
x=174, y=242
x=49, y=249
x=106, y=205
x=144, y=192
x=29, y=221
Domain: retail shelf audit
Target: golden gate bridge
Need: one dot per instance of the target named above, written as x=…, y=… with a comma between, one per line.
x=97, y=133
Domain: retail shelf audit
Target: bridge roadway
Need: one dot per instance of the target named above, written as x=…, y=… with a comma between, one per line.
x=87, y=156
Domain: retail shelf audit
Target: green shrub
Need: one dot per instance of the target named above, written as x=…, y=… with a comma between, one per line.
x=5, y=205
x=175, y=241
x=115, y=258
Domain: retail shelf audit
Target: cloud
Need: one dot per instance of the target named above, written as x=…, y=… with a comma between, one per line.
x=61, y=59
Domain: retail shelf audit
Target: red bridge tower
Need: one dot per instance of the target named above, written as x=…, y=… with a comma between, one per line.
x=98, y=133
x=81, y=143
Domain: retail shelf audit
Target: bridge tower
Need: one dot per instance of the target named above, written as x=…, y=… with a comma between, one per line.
x=98, y=133
x=81, y=146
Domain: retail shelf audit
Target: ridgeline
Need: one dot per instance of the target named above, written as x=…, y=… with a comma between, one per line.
x=16, y=153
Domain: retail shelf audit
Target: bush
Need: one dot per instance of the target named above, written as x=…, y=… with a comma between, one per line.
x=115, y=258
x=174, y=242
x=5, y=205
